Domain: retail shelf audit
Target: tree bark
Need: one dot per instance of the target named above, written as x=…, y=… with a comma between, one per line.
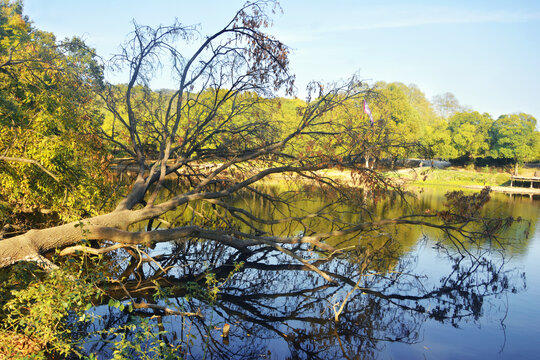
x=37, y=242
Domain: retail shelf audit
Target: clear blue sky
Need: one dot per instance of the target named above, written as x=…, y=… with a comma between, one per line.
x=487, y=53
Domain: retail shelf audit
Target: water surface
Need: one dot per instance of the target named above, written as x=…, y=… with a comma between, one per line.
x=422, y=296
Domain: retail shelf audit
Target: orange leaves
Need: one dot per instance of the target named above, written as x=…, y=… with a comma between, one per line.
x=14, y=345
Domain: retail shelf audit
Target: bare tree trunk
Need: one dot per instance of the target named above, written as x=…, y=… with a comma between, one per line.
x=37, y=242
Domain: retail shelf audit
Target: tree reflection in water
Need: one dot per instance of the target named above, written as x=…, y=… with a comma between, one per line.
x=278, y=309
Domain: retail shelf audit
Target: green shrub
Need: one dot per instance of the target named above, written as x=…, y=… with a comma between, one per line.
x=40, y=317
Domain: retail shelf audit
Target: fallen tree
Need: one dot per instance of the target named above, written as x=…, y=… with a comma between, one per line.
x=221, y=113
x=218, y=113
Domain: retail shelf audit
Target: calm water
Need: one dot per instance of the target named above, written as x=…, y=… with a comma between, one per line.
x=508, y=326
x=420, y=297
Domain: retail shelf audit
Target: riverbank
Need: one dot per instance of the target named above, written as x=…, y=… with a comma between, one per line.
x=495, y=178
x=452, y=176
x=457, y=177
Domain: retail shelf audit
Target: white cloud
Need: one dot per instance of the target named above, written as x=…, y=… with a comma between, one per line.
x=464, y=18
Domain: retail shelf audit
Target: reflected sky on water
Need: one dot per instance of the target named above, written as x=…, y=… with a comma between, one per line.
x=419, y=297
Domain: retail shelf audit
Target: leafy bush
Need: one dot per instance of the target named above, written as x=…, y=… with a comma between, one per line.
x=51, y=315
x=41, y=312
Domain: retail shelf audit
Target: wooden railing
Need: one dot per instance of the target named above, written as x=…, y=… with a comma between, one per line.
x=525, y=179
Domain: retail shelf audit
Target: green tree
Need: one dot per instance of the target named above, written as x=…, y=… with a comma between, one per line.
x=433, y=132
x=438, y=139
x=470, y=133
x=51, y=159
x=421, y=104
x=515, y=137
x=402, y=120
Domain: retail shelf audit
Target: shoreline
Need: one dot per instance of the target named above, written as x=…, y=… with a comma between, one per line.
x=461, y=178
x=507, y=189
x=410, y=178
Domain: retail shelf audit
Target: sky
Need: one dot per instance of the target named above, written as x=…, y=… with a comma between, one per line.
x=486, y=53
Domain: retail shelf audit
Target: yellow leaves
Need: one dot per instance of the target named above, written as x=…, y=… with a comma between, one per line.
x=46, y=114
x=16, y=21
x=13, y=29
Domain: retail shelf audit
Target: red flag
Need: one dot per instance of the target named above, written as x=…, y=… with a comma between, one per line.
x=367, y=111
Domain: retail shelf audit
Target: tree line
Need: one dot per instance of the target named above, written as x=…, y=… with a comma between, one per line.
x=443, y=128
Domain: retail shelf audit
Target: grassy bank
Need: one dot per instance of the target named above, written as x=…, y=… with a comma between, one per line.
x=453, y=176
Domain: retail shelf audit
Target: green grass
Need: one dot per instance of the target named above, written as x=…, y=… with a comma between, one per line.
x=456, y=177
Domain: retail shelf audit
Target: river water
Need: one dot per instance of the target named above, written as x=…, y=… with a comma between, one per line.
x=421, y=295
x=508, y=324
